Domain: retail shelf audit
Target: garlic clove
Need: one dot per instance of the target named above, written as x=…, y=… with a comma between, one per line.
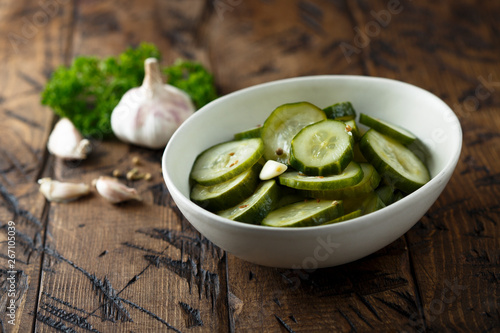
x=112, y=190
x=148, y=115
x=272, y=169
x=66, y=142
x=57, y=191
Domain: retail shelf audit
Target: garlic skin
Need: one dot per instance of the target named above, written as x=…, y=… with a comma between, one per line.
x=57, y=191
x=148, y=115
x=112, y=190
x=66, y=142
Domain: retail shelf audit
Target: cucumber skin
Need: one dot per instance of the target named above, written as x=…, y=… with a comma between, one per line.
x=249, y=134
x=327, y=170
x=334, y=168
x=384, y=169
x=254, y=215
x=241, y=167
x=356, y=134
x=323, y=186
x=385, y=129
x=275, y=117
x=345, y=217
x=226, y=200
x=340, y=111
x=367, y=204
x=352, y=191
x=334, y=211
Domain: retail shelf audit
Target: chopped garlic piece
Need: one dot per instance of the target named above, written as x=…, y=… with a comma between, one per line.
x=272, y=169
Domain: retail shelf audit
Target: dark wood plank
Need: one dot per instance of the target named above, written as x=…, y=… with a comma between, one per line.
x=33, y=39
x=133, y=266
x=453, y=250
x=90, y=265
x=372, y=294
x=256, y=42
x=452, y=50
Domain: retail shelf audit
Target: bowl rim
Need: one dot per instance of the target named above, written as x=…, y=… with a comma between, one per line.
x=448, y=168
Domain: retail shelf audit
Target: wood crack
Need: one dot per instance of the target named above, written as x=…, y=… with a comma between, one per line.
x=110, y=301
x=419, y=308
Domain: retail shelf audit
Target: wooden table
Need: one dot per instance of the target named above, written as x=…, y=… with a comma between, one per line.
x=140, y=267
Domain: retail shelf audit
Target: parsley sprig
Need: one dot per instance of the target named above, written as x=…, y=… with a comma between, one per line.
x=87, y=91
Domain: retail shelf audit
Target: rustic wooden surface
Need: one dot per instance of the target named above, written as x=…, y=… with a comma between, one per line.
x=141, y=267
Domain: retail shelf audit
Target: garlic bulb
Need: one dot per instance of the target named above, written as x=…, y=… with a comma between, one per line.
x=112, y=190
x=148, y=115
x=54, y=190
x=66, y=142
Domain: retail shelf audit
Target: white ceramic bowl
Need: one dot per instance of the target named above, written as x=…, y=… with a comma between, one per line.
x=313, y=247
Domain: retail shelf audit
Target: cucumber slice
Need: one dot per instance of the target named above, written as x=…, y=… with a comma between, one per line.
x=304, y=213
x=398, y=195
x=351, y=175
x=357, y=154
x=282, y=125
x=257, y=206
x=396, y=132
x=226, y=160
x=393, y=161
x=370, y=181
x=372, y=203
x=321, y=149
x=419, y=149
x=340, y=111
x=229, y=193
x=352, y=126
x=289, y=199
x=367, y=203
x=386, y=194
x=253, y=132
x=348, y=216
x=288, y=196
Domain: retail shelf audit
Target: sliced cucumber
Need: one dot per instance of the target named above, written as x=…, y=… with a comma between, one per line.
x=396, y=132
x=351, y=175
x=367, y=203
x=257, y=206
x=229, y=193
x=348, y=216
x=283, y=124
x=370, y=181
x=357, y=154
x=372, y=203
x=419, y=149
x=304, y=213
x=352, y=126
x=398, y=195
x=226, y=160
x=386, y=194
x=321, y=149
x=393, y=161
x=340, y=111
x=253, y=132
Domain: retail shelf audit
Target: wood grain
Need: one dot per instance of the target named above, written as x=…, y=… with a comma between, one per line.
x=135, y=263
x=31, y=44
x=452, y=246
x=140, y=266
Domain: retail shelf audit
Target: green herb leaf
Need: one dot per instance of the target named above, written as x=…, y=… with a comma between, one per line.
x=87, y=91
x=194, y=79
